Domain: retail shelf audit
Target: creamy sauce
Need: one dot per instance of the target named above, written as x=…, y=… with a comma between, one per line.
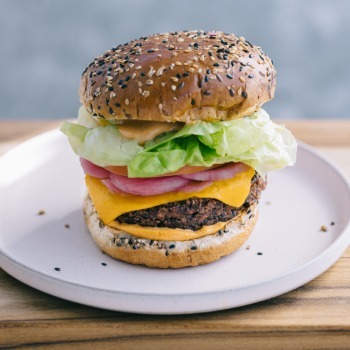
x=143, y=131
x=168, y=234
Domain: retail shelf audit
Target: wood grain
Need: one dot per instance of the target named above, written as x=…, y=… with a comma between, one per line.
x=315, y=316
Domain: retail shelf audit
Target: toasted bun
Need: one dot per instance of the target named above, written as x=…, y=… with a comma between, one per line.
x=181, y=76
x=169, y=254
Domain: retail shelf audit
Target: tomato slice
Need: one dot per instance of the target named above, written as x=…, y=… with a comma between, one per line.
x=187, y=169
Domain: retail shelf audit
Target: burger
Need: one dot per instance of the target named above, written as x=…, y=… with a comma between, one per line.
x=175, y=146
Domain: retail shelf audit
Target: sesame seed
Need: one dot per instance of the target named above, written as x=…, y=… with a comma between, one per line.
x=191, y=70
x=229, y=76
x=138, y=67
x=160, y=71
x=181, y=85
x=174, y=79
x=173, y=87
x=149, y=82
x=162, y=84
x=242, y=79
x=251, y=76
x=145, y=93
x=127, y=102
x=178, y=63
x=239, y=92
x=219, y=77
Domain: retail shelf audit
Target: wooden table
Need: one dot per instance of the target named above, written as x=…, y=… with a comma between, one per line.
x=315, y=316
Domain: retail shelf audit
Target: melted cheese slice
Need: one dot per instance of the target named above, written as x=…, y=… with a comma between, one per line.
x=110, y=205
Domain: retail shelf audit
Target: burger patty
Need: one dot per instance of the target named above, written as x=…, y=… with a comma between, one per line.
x=192, y=213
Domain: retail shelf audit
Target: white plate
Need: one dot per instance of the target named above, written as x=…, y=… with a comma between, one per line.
x=44, y=174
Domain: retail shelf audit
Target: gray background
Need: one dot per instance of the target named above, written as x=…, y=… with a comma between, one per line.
x=45, y=45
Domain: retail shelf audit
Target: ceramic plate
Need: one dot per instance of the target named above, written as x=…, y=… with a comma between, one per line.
x=54, y=252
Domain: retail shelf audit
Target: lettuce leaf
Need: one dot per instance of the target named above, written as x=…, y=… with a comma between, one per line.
x=253, y=140
x=102, y=145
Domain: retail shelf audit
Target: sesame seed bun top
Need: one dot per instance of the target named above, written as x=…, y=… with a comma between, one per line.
x=181, y=76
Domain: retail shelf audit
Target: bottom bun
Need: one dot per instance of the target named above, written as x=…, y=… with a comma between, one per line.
x=170, y=254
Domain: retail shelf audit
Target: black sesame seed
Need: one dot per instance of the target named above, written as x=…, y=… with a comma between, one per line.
x=117, y=104
x=171, y=246
x=107, y=101
x=244, y=94
x=57, y=269
x=223, y=42
x=110, y=110
x=185, y=74
x=229, y=76
x=251, y=76
x=193, y=102
x=216, y=64
x=232, y=63
x=332, y=223
x=166, y=253
x=196, y=45
x=142, y=74
x=208, y=71
x=181, y=85
x=201, y=83
x=210, y=53
x=206, y=79
x=262, y=57
x=194, y=247
x=207, y=93
x=259, y=253
x=103, y=264
x=109, y=69
x=99, y=72
x=240, y=69
x=232, y=93
x=120, y=82
x=110, y=88
x=149, y=51
x=128, y=77
x=250, y=56
x=151, y=242
x=178, y=75
x=220, y=50
x=124, y=86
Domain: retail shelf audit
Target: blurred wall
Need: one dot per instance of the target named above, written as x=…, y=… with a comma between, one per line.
x=45, y=45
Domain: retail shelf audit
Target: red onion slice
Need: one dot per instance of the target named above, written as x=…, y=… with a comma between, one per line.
x=94, y=170
x=222, y=173
x=195, y=186
x=148, y=186
x=110, y=186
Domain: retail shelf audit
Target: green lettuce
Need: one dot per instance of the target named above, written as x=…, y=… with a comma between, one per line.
x=253, y=140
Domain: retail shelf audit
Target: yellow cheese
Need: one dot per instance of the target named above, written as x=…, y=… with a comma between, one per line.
x=110, y=205
x=167, y=234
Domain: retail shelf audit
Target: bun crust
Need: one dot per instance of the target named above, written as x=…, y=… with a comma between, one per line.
x=169, y=254
x=180, y=76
